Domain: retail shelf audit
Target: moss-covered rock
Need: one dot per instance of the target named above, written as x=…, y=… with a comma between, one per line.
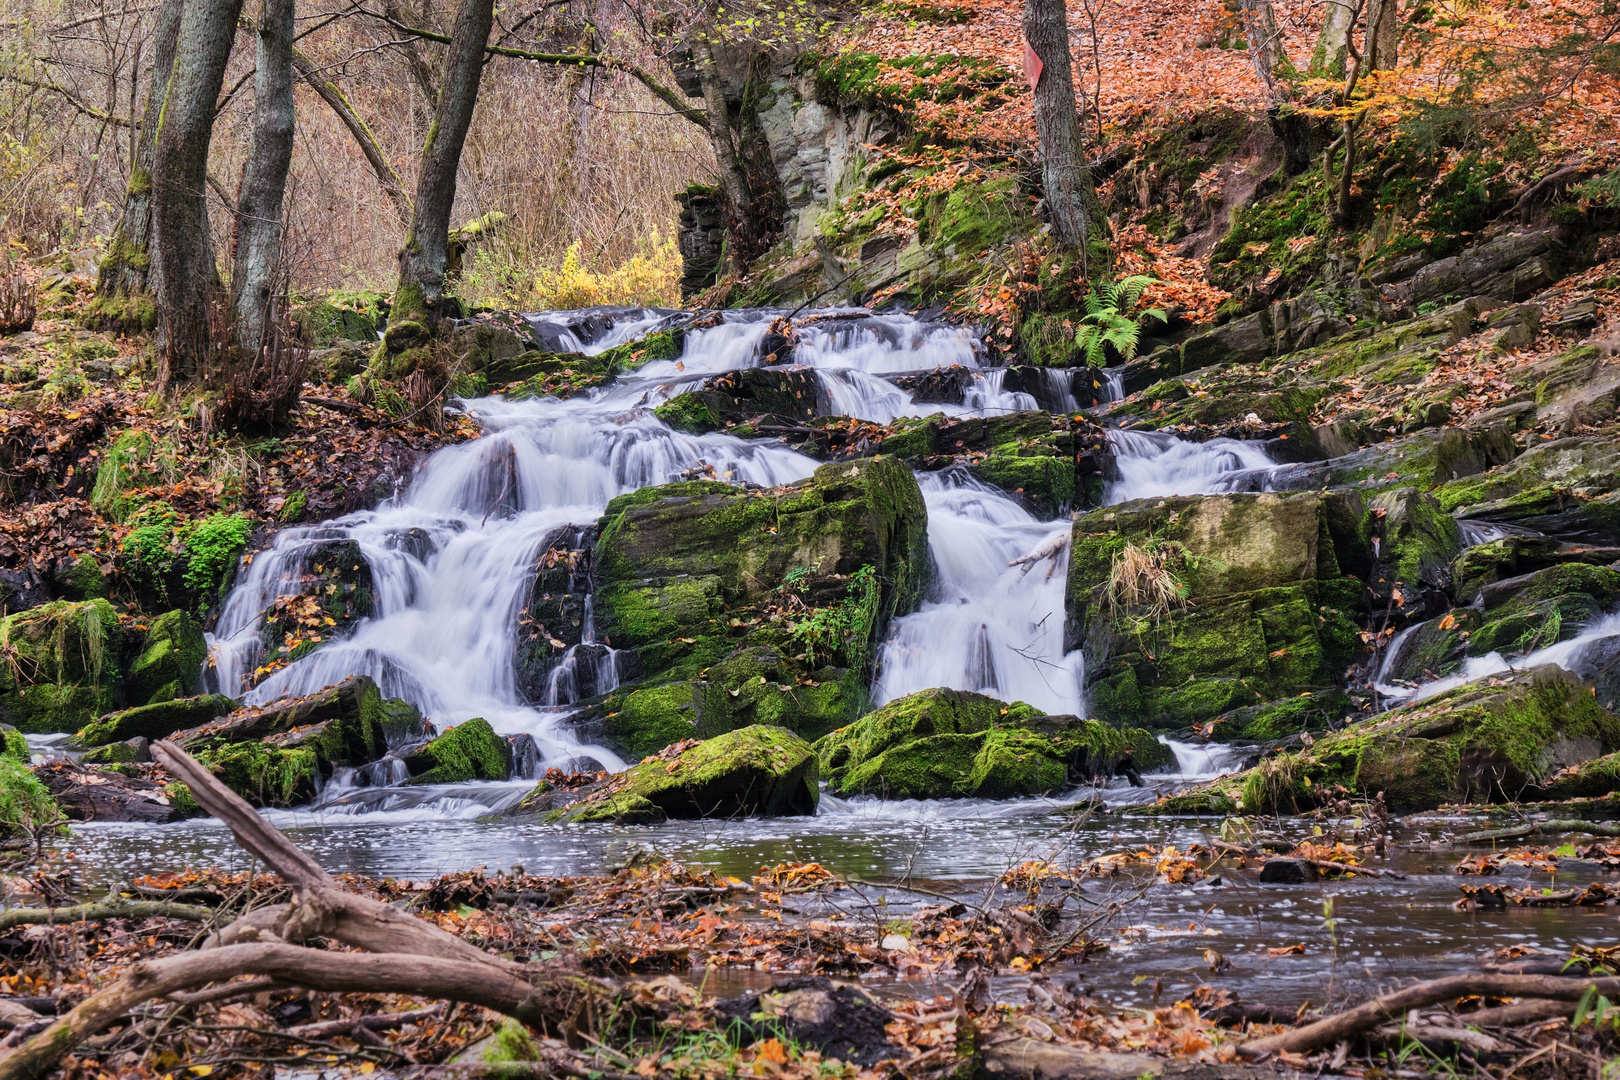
x=25, y=804
x=1416, y=543
x=770, y=600
x=1588, y=780
x=127, y=752
x=1569, y=488
x=1192, y=607
x=265, y=775
x=136, y=459
x=356, y=703
x=1308, y=712
x=951, y=743
x=1495, y=740
x=754, y=771
x=158, y=720
x=170, y=661
x=63, y=668
x=340, y=317
x=14, y=744
x=469, y=751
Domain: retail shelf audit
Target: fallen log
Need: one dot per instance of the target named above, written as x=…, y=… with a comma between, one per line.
x=402, y=954
x=112, y=907
x=1522, y=1012
x=1543, y=828
x=1392, y=1006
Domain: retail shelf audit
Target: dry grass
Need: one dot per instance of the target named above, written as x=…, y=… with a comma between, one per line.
x=1144, y=580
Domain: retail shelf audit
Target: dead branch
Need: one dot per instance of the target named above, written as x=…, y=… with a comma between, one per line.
x=379, y=1022
x=1543, y=828
x=1523, y=1012
x=112, y=907
x=1392, y=1006
x=403, y=954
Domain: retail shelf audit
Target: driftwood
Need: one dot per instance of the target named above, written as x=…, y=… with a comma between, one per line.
x=113, y=907
x=1543, y=828
x=1392, y=1006
x=402, y=954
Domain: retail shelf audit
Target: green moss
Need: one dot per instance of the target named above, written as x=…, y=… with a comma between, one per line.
x=264, y=775
x=1588, y=780
x=14, y=744
x=1045, y=483
x=648, y=720
x=118, y=753
x=340, y=316
x=293, y=509
x=61, y=666
x=173, y=654
x=26, y=807
x=469, y=751
x=688, y=412
x=155, y=721
x=135, y=460
x=213, y=548
x=754, y=770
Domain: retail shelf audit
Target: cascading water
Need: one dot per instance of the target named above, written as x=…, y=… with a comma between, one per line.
x=1571, y=654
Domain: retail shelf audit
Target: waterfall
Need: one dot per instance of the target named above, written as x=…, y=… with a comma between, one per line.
x=452, y=557
x=1571, y=655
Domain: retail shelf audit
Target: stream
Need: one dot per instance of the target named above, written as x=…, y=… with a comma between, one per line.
x=451, y=561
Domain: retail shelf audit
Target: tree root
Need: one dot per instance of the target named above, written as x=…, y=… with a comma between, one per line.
x=402, y=954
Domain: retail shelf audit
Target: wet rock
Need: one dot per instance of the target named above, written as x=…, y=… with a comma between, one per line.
x=1216, y=603
x=1568, y=489
x=1287, y=872
x=790, y=395
x=64, y=665
x=756, y=771
x=553, y=622
x=1517, y=555
x=1588, y=780
x=942, y=386
x=1415, y=543
x=137, y=749
x=839, y=1019
x=1495, y=740
x=156, y=721
x=21, y=589
x=951, y=743
x=469, y=751
x=333, y=593
x=90, y=794
x=170, y=661
x=689, y=573
x=1424, y=459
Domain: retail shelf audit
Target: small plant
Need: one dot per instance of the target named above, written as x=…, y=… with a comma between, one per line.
x=1146, y=577
x=845, y=627
x=1110, y=322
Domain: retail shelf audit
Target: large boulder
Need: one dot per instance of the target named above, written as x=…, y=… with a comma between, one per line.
x=469, y=751
x=1191, y=607
x=754, y=771
x=951, y=743
x=802, y=580
x=156, y=721
x=1496, y=740
x=63, y=668
x=170, y=661
x=1568, y=489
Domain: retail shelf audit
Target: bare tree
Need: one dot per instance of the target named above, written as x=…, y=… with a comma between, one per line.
x=733, y=174
x=423, y=260
x=127, y=268
x=1064, y=172
x=1265, y=46
x=264, y=181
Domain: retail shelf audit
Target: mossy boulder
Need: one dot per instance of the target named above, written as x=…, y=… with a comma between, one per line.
x=793, y=394
x=1308, y=712
x=1588, y=780
x=127, y=752
x=952, y=743
x=1490, y=741
x=158, y=720
x=754, y=771
x=170, y=661
x=63, y=668
x=469, y=751
x=25, y=803
x=1516, y=555
x=1217, y=603
x=265, y=775
x=14, y=744
x=1416, y=542
x=688, y=574
x=341, y=317
x=1568, y=489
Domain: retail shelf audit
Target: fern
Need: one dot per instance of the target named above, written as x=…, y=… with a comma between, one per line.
x=1110, y=323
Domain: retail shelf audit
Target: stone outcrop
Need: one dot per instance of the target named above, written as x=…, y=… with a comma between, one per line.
x=1191, y=607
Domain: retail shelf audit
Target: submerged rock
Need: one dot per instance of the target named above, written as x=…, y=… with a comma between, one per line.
x=952, y=743
x=754, y=771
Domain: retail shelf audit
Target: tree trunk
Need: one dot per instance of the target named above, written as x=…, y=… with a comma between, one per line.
x=426, y=253
x=1383, y=34
x=1265, y=46
x=189, y=288
x=1064, y=173
x=1332, y=43
x=127, y=269
x=264, y=182
x=733, y=177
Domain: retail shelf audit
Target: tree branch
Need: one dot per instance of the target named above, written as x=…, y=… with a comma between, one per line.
x=672, y=98
x=111, y=908
x=72, y=99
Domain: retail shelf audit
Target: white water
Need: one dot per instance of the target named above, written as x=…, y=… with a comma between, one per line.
x=1567, y=654
x=452, y=557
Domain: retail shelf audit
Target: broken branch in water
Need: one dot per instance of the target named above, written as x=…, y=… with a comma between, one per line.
x=1391, y=1006
x=1543, y=828
x=403, y=954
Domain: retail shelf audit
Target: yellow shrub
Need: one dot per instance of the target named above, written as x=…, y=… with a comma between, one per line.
x=651, y=276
